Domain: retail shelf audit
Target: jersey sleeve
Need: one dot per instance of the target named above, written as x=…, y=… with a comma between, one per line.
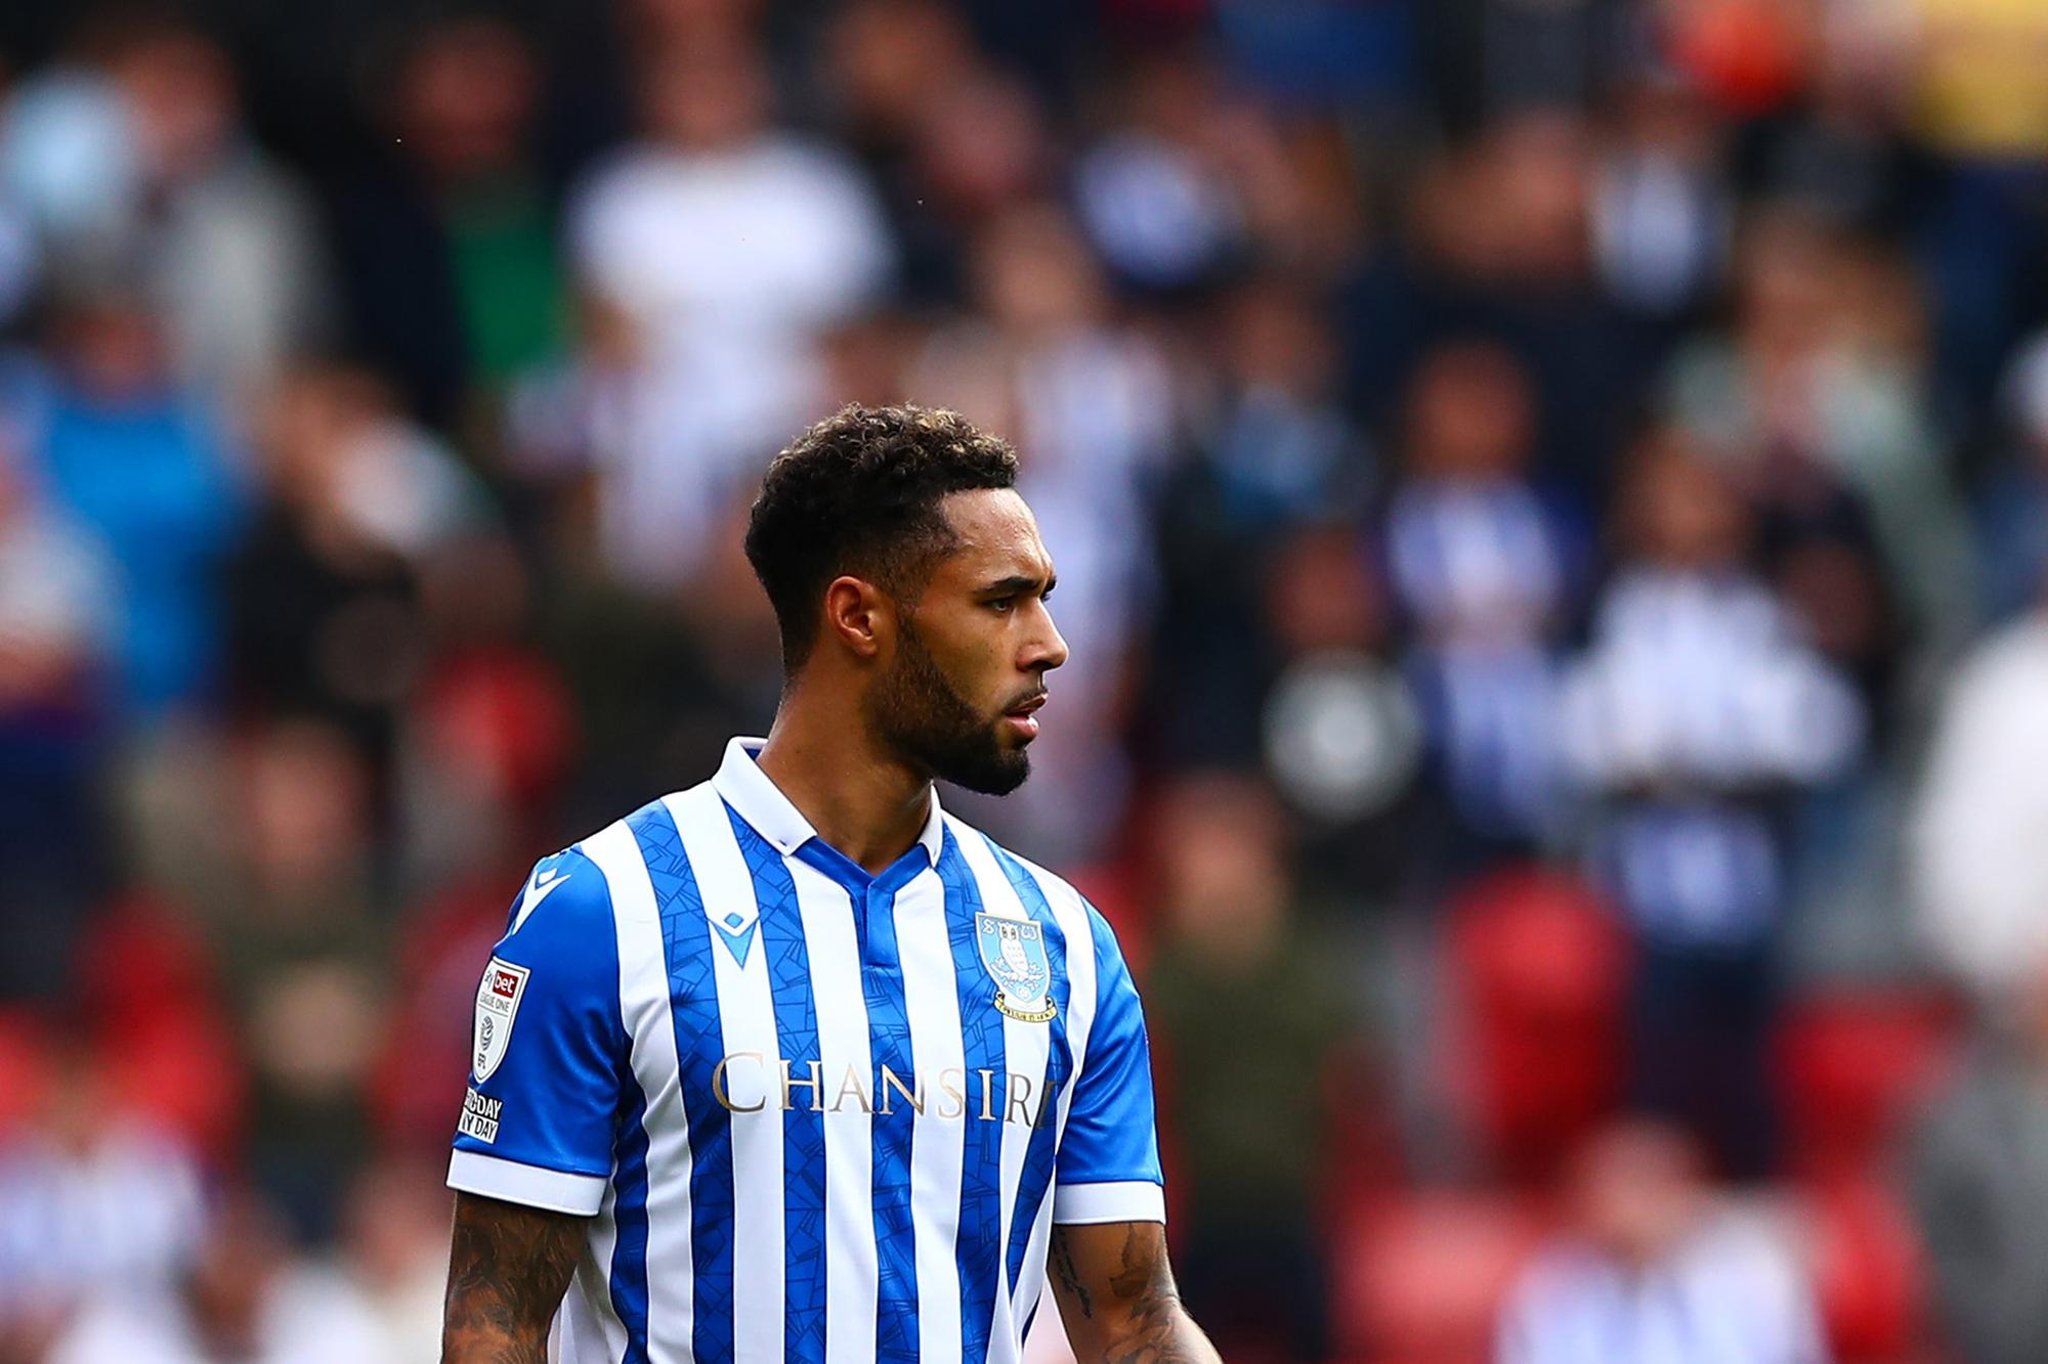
x=548, y=1048
x=1108, y=1164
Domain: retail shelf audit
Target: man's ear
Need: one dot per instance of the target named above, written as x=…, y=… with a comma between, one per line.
x=861, y=615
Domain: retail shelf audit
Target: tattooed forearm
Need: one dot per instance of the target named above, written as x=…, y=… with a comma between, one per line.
x=1118, y=1297
x=1070, y=1277
x=507, y=1270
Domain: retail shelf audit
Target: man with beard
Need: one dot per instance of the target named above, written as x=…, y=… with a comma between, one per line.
x=793, y=1066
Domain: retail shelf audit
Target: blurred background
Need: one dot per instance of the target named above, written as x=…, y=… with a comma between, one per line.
x=1552, y=498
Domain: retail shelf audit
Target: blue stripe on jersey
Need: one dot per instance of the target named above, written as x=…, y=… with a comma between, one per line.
x=978, y=1247
x=700, y=1046
x=1059, y=1061
x=889, y=1045
x=629, y=1216
x=803, y=1133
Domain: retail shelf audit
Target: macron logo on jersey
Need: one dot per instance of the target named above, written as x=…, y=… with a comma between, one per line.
x=544, y=883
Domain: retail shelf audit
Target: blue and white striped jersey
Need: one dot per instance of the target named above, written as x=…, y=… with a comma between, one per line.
x=812, y=1113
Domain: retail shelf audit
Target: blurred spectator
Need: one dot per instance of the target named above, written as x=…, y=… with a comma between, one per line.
x=945, y=139
x=1276, y=452
x=1090, y=407
x=142, y=461
x=1339, y=728
x=304, y=955
x=233, y=256
x=1697, y=709
x=1484, y=567
x=1981, y=863
x=1817, y=403
x=247, y=1299
x=329, y=593
x=1161, y=211
x=1976, y=69
x=67, y=152
x=729, y=246
x=57, y=636
x=1502, y=247
x=96, y=1205
x=1281, y=447
x=1979, y=1188
x=1662, y=209
x=323, y=611
x=449, y=252
x=1237, y=982
x=2012, y=500
x=222, y=240
x=1841, y=153
x=395, y=1256
x=1654, y=1272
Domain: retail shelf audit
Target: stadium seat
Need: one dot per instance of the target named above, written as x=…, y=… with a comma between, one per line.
x=158, y=1021
x=1850, y=1067
x=1419, y=1278
x=22, y=1063
x=1537, y=973
x=1869, y=1271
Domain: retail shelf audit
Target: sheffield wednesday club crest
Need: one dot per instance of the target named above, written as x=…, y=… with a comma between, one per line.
x=1013, y=954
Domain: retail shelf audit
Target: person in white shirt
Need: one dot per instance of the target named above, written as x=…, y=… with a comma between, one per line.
x=1655, y=1273
x=729, y=248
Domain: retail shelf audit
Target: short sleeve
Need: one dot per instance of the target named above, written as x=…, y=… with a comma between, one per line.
x=548, y=1048
x=1108, y=1164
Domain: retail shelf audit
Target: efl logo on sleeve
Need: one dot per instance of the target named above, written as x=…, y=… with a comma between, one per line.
x=497, y=1005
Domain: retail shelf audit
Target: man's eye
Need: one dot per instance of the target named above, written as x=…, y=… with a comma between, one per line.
x=1003, y=603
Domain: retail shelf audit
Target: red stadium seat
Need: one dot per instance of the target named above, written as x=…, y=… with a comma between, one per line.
x=1869, y=1272
x=1850, y=1067
x=161, y=1025
x=23, y=1060
x=1537, y=972
x=1419, y=1278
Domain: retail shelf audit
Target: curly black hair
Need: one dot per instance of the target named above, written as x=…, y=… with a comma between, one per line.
x=859, y=494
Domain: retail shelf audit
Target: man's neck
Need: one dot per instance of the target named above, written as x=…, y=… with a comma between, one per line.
x=860, y=799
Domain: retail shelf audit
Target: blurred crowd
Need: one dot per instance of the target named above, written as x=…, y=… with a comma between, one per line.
x=1551, y=498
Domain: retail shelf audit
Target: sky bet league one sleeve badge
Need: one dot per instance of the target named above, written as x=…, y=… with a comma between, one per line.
x=497, y=1005
x=1013, y=953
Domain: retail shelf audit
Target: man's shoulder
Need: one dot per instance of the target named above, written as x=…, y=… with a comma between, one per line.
x=1062, y=898
x=641, y=861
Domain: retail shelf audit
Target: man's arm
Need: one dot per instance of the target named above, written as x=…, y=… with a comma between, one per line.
x=507, y=1271
x=1117, y=1297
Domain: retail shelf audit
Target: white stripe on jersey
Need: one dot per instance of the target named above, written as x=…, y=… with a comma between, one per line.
x=644, y=1005
x=1072, y=916
x=924, y=945
x=1025, y=1048
x=746, y=1011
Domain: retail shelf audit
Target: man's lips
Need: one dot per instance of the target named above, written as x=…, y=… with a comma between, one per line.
x=1023, y=715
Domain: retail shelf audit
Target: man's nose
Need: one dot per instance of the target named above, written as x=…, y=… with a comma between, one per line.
x=1049, y=648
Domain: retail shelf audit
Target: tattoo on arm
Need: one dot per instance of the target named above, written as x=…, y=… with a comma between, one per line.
x=1117, y=1282
x=1070, y=1278
x=508, y=1268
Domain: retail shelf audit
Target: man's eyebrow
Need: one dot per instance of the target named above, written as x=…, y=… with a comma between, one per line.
x=1022, y=582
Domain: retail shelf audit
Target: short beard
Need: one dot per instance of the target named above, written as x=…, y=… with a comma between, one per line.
x=916, y=711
